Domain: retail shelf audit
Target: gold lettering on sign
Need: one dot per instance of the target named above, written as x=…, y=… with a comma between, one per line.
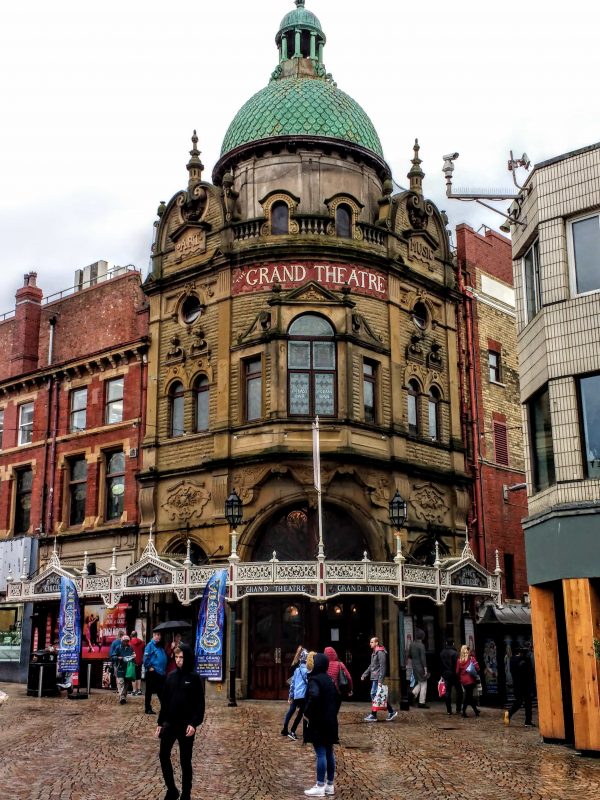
x=191, y=243
x=420, y=250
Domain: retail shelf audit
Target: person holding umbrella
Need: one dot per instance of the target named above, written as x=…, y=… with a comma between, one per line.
x=155, y=664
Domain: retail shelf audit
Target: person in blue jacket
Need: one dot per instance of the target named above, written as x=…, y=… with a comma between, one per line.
x=155, y=664
x=297, y=697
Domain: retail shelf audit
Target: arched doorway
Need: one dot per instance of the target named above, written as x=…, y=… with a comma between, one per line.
x=278, y=625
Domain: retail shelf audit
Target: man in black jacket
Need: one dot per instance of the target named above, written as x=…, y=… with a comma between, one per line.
x=448, y=659
x=181, y=712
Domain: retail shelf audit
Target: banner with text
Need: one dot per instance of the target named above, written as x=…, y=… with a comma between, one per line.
x=69, y=627
x=209, y=636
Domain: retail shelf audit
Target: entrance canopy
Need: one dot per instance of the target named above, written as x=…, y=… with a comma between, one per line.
x=320, y=580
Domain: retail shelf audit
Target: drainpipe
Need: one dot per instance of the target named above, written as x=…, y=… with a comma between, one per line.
x=49, y=389
x=52, y=470
x=477, y=522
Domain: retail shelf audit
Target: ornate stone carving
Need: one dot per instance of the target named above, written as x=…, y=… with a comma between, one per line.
x=359, y=322
x=185, y=501
x=434, y=358
x=175, y=353
x=429, y=503
x=419, y=211
x=199, y=343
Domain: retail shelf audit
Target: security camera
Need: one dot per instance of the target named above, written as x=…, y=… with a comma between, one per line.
x=450, y=157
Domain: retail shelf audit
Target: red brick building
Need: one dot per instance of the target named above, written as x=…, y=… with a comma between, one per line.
x=72, y=373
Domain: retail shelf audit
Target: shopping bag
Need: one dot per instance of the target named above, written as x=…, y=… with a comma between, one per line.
x=380, y=701
x=413, y=680
x=130, y=671
x=442, y=687
x=472, y=670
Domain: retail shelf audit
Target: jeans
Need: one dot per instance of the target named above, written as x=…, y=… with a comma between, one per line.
x=374, y=685
x=468, y=699
x=169, y=735
x=325, y=762
x=522, y=699
x=295, y=704
x=122, y=688
x=154, y=685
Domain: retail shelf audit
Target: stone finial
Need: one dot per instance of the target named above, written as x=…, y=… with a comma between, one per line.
x=195, y=166
x=416, y=174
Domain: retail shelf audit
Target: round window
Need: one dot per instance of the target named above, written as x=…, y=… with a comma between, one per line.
x=420, y=316
x=191, y=309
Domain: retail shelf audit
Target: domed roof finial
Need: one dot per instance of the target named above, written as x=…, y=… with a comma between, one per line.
x=416, y=174
x=300, y=2
x=195, y=166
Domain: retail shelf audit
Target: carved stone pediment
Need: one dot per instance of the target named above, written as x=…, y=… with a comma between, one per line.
x=311, y=292
x=185, y=501
x=429, y=503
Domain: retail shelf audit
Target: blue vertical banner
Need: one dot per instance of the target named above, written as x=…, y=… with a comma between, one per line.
x=209, y=636
x=69, y=627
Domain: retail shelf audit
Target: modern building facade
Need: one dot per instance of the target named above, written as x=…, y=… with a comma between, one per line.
x=556, y=252
x=72, y=371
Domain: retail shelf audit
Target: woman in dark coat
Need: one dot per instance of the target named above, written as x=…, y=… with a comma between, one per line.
x=321, y=728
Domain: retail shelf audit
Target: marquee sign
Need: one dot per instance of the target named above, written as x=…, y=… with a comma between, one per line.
x=261, y=277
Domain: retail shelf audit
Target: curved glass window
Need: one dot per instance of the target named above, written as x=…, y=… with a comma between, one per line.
x=280, y=218
x=191, y=309
x=413, y=407
x=343, y=221
x=201, y=404
x=433, y=407
x=177, y=409
x=311, y=367
x=420, y=316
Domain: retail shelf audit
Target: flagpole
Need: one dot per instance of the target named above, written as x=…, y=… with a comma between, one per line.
x=317, y=483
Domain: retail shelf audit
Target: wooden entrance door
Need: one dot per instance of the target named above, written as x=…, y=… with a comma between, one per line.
x=277, y=627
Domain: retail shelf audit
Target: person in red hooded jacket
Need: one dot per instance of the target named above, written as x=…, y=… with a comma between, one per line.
x=467, y=680
x=333, y=670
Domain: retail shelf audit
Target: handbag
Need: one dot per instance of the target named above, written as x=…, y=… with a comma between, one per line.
x=442, y=687
x=413, y=680
x=472, y=670
x=380, y=701
x=130, y=671
x=343, y=683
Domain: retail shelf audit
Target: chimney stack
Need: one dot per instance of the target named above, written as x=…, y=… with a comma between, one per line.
x=26, y=330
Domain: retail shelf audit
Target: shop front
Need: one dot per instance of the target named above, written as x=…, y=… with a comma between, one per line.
x=278, y=605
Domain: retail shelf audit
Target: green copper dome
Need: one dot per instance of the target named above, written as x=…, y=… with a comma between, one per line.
x=301, y=106
x=300, y=18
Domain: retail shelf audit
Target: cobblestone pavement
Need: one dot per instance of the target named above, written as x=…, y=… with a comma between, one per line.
x=94, y=749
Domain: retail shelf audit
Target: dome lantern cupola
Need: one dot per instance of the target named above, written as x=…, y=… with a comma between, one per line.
x=300, y=36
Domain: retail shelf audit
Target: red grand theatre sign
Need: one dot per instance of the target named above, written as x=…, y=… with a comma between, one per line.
x=261, y=277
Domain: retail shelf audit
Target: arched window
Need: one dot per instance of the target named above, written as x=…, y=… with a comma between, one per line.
x=413, y=407
x=280, y=218
x=201, y=404
x=434, y=417
x=177, y=409
x=311, y=367
x=343, y=221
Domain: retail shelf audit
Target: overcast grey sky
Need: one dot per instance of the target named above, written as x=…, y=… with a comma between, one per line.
x=99, y=101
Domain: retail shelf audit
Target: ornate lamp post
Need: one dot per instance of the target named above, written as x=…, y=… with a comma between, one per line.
x=397, y=513
x=233, y=515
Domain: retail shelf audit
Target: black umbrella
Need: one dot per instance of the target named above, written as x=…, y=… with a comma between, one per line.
x=173, y=625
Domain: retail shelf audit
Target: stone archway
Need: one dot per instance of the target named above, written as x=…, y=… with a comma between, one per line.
x=292, y=533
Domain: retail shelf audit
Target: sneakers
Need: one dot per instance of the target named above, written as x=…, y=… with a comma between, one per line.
x=315, y=791
x=122, y=702
x=371, y=718
x=329, y=788
x=530, y=725
x=291, y=735
x=149, y=711
x=284, y=732
x=422, y=705
x=392, y=715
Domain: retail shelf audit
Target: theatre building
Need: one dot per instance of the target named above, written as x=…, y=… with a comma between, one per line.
x=296, y=284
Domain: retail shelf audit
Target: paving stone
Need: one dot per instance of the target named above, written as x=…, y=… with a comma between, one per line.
x=94, y=749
